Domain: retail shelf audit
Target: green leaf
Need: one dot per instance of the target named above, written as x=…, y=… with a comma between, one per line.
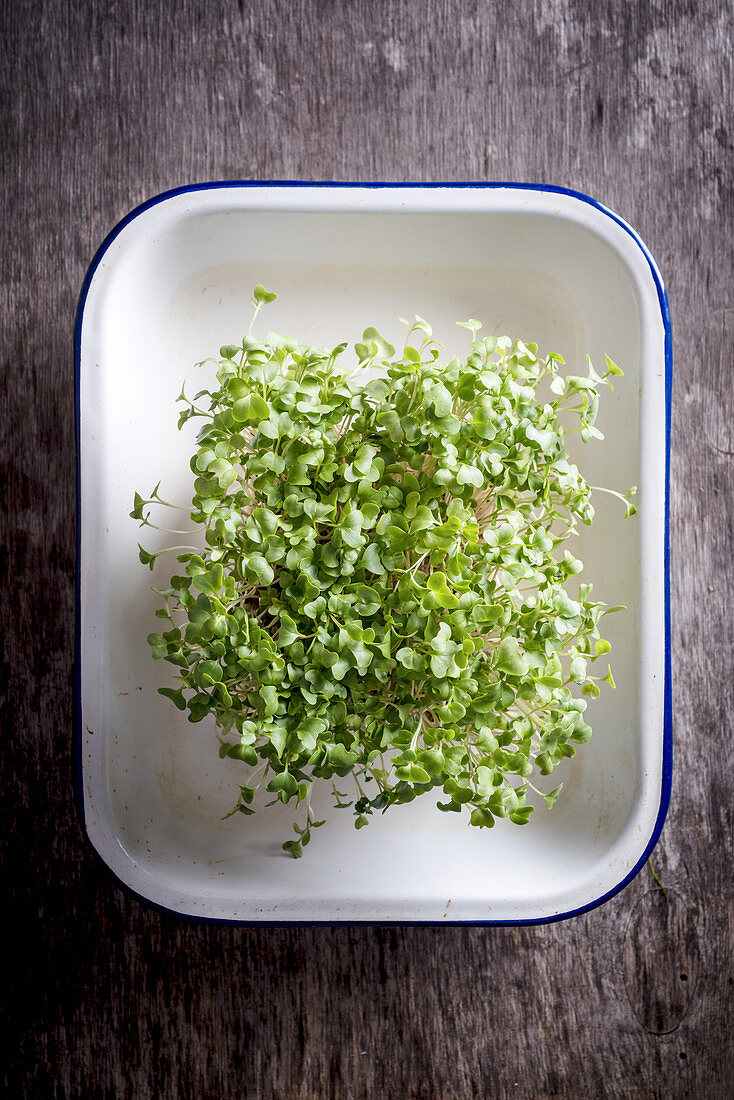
x=288, y=633
x=552, y=798
x=261, y=296
x=283, y=783
x=138, y=505
x=408, y=658
x=211, y=580
x=384, y=349
x=341, y=759
x=436, y=583
x=470, y=475
x=509, y=659
x=544, y=440
x=146, y=558
x=482, y=817
x=371, y=560
x=208, y=672
x=176, y=696
x=278, y=738
x=251, y=409
x=521, y=816
x=440, y=665
x=244, y=753
x=472, y=325
x=259, y=569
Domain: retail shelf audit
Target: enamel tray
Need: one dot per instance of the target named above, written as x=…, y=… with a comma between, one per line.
x=168, y=286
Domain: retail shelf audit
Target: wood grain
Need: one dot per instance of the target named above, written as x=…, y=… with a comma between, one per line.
x=105, y=104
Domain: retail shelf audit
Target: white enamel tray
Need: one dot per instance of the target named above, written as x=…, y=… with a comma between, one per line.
x=170, y=285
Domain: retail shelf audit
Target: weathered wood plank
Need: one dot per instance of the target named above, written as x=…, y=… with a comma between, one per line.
x=106, y=104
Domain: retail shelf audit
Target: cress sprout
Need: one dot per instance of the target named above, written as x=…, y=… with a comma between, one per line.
x=383, y=590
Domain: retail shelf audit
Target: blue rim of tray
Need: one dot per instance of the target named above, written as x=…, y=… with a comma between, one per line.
x=667, y=761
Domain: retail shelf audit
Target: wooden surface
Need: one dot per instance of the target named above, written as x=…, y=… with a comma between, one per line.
x=106, y=104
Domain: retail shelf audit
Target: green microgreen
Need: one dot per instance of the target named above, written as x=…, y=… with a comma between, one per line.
x=384, y=590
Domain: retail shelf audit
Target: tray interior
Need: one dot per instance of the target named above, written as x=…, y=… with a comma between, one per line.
x=171, y=289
